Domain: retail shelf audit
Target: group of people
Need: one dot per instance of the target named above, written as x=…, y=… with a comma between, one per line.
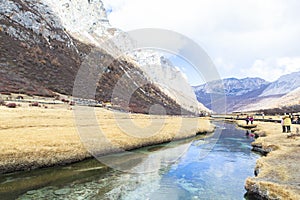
x=286, y=122
x=249, y=119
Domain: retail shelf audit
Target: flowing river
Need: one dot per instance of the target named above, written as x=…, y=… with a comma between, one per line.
x=205, y=167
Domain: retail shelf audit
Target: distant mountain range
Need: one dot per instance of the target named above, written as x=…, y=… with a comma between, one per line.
x=252, y=94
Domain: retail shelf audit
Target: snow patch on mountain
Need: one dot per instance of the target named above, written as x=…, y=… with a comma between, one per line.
x=87, y=21
x=78, y=16
x=231, y=86
x=292, y=98
x=283, y=85
x=169, y=78
x=271, y=102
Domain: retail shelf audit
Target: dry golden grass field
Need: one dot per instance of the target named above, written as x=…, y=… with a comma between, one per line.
x=278, y=172
x=33, y=137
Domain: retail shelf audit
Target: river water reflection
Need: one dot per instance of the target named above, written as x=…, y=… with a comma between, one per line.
x=196, y=174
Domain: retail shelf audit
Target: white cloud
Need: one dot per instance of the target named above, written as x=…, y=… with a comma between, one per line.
x=272, y=68
x=224, y=69
x=290, y=64
x=243, y=34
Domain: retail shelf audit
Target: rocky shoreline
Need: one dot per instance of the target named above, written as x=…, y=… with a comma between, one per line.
x=277, y=174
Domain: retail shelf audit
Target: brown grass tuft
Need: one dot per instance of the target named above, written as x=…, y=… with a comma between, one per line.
x=279, y=172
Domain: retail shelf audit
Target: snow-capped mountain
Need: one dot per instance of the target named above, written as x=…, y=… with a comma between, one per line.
x=275, y=102
x=235, y=91
x=95, y=29
x=232, y=86
x=285, y=84
x=283, y=93
x=291, y=98
x=45, y=42
x=168, y=78
x=252, y=94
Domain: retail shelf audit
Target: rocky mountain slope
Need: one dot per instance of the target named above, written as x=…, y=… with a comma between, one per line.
x=282, y=95
x=285, y=84
x=95, y=29
x=238, y=92
x=168, y=78
x=254, y=94
x=232, y=86
x=43, y=44
x=37, y=55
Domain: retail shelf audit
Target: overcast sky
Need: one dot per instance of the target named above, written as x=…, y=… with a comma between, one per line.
x=244, y=38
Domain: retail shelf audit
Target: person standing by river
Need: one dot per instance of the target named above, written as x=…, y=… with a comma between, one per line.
x=287, y=122
x=251, y=119
x=247, y=120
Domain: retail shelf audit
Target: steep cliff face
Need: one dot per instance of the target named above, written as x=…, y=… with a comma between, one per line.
x=43, y=44
x=83, y=17
x=87, y=22
x=37, y=54
x=168, y=78
x=27, y=20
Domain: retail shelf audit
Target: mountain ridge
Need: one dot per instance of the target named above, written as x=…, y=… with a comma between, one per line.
x=231, y=86
x=96, y=30
x=284, y=84
x=250, y=94
x=40, y=57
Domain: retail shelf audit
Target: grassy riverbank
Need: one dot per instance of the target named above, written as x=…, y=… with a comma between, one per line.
x=278, y=173
x=33, y=137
